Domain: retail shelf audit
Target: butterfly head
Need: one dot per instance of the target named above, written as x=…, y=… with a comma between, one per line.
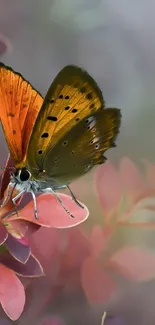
x=21, y=175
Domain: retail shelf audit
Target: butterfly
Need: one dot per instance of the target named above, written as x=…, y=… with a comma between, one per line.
x=54, y=140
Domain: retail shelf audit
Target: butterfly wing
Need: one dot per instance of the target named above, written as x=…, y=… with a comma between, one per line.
x=82, y=147
x=19, y=107
x=73, y=96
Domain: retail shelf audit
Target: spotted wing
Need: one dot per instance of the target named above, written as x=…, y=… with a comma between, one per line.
x=72, y=97
x=82, y=147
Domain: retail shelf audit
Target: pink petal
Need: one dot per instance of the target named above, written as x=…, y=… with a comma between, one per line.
x=12, y=295
x=6, y=176
x=150, y=172
x=22, y=227
x=134, y=263
x=52, y=214
x=108, y=186
x=3, y=234
x=97, y=284
x=75, y=253
x=97, y=240
x=31, y=268
x=52, y=321
x=131, y=178
x=18, y=250
x=46, y=246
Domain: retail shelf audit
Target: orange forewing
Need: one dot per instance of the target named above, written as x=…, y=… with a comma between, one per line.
x=19, y=107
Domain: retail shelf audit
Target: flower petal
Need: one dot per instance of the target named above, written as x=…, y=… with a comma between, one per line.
x=12, y=295
x=52, y=214
x=131, y=178
x=150, y=172
x=3, y=234
x=108, y=186
x=21, y=228
x=31, y=268
x=17, y=249
x=97, y=284
x=97, y=240
x=134, y=263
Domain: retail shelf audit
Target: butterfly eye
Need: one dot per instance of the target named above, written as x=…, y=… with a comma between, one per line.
x=40, y=152
x=97, y=146
x=24, y=175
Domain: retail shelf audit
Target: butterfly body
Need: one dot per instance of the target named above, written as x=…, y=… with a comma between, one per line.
x=56, y=140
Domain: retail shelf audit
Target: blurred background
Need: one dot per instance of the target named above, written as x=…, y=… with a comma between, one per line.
x=115, y=42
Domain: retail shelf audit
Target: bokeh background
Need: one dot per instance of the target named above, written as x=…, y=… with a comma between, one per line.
x=115, y=41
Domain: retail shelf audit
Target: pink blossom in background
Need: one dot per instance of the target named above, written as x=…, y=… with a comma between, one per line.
x=127, y=199
x=78, y=262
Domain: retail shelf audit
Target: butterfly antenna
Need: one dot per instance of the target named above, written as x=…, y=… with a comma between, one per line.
x=74, y=198
x=3, y=168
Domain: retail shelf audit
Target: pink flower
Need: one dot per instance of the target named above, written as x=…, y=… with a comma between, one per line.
x=15, y=252
x=128, y=202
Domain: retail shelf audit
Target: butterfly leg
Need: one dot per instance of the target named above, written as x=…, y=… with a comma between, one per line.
x=35, y=205
x=47, y=190
x=74, y=198
x=17, y=196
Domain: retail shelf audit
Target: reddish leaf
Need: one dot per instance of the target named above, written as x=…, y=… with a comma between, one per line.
x=12, y=295
x=108, y=186
x=97, y=284
x=131, y=178
x=99, y=239
x=52, y=214
x=134, y=263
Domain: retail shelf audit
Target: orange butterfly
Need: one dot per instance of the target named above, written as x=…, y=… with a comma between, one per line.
x=55, y=140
